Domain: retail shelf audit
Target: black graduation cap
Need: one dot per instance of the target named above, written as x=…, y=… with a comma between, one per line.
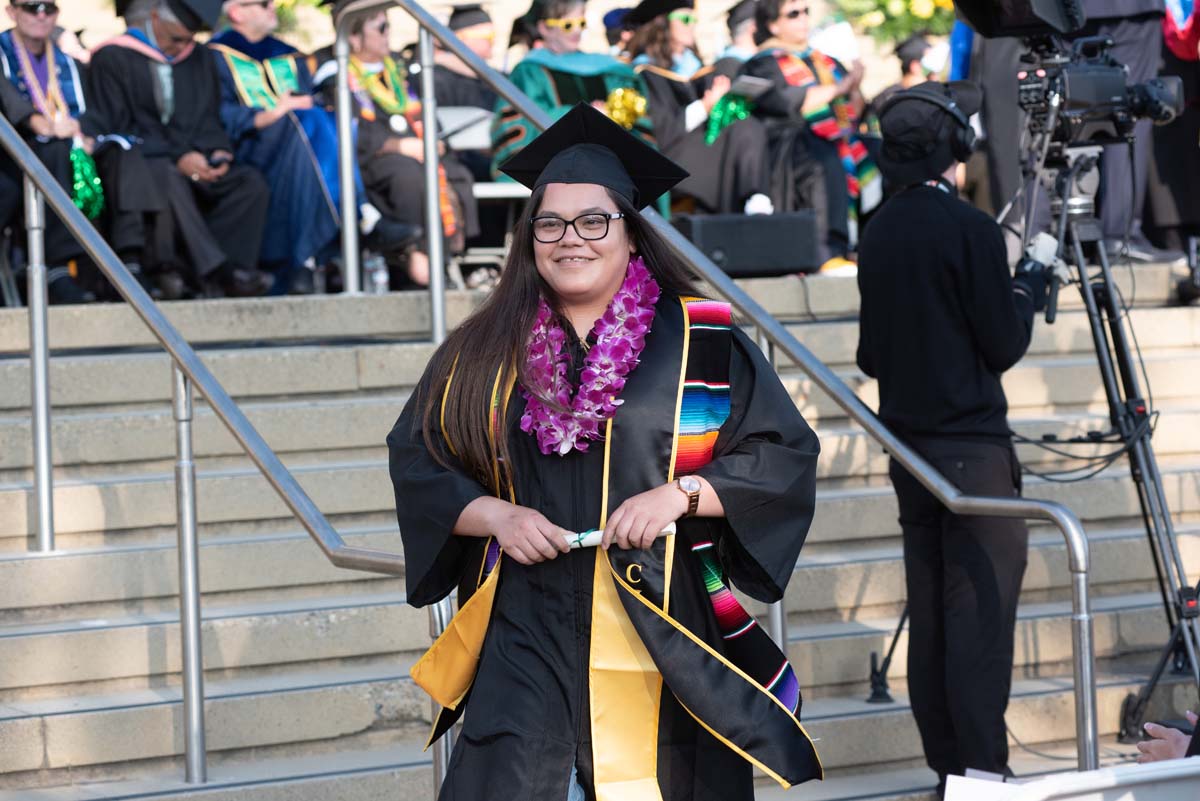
x=524, y=27
x=586, y=147
x=647, y=10
x=464, y=16
x=739, y=13
x=195, y=15
x=912, y=49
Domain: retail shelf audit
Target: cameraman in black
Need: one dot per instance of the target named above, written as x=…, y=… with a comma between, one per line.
x=941, y=318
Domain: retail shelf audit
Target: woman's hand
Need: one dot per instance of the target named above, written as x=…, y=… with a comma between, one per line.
x=527, y=536
x=718, y=89
x=639, y=520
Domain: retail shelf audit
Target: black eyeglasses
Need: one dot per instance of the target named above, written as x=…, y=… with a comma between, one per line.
x=49, y=9
x=592, y=226
x=797, y=12
x=259, y=3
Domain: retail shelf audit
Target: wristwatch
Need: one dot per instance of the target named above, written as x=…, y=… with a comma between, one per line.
x=689, y=486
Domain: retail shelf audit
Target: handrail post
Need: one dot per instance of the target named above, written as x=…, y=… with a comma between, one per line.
x=776, y=612
x=351, y=269
x=189, y=580
x=39, y=365
x=1082, y=647
x=441, y=612
x=433, y=206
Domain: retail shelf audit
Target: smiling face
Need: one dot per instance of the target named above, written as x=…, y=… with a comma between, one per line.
x=563, y=34
x=682, y=27
x=791, y=26
x=254, y=19
x=582, y=273
x=34, y=21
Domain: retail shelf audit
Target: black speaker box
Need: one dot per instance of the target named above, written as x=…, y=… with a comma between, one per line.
x=755, y=245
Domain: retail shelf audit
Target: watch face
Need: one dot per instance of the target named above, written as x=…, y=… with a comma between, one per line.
x=689, y=484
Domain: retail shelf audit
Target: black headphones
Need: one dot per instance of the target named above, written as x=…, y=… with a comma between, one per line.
x=962, y=141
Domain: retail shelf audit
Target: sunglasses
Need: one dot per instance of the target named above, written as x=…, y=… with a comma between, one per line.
x=260, y=3
x=566, y=24
x=49, y=9
x=686, y=17
x=796, y=12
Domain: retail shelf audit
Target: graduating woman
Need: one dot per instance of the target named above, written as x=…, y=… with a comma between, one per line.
x=696, y=122
x=817, y=159
x=593, y=392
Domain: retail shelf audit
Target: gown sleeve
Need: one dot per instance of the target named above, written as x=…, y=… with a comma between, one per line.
x=764, y=472
x=429, y=499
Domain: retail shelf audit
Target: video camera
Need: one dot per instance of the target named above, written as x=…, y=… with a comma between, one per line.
x=1074, y=91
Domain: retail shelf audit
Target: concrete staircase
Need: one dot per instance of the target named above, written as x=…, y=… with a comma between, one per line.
x=307, y=665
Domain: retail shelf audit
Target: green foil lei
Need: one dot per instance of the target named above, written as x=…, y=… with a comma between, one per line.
x=86, y=190
x=728, y=110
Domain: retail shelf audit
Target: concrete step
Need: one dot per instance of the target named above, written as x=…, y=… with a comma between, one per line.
x=144, y=438
x=116, y=576
x=55, y=733
x=52, y=734
x=834, y=341
x=846, y=509
x=406, y=314
x=145, y=648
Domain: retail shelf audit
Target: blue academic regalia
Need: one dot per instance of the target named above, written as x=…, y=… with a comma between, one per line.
x=297, y=154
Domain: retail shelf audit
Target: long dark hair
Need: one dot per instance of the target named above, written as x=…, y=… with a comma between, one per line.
x=495, y=338
x=653, y=39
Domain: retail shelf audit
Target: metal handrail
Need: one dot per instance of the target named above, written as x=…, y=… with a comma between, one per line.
x=187, y=369
x=1172, y=779
x=777, y=334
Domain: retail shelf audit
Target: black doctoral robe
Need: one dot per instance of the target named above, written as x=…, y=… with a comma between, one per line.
x=529, y=710
x=724, y=174
x=209, y=223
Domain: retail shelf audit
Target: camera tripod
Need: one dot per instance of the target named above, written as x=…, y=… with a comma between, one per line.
x=1071, y=175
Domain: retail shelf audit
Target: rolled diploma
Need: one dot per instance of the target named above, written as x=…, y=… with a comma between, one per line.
x=590, y=539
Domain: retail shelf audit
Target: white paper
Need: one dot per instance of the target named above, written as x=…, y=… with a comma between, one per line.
x=960, y=788
x=837, y=41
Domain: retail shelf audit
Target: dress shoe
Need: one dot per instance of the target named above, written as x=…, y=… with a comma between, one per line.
x=303, y=282
x=62, y=289
x=243, y=282
x=389, y=234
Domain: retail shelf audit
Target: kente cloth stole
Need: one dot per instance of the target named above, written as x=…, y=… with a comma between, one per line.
x=387, y=90
x=834, y=121
x=260, y=83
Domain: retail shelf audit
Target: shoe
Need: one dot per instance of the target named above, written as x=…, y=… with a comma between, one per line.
x=170, y=285
x=242, y=282
x=302, y=282
x=62, y=289
x=1141, y=251
x=389, y=234
x=135, y=269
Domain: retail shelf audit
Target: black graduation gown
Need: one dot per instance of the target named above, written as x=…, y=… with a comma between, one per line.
x=724, y=174
x=527, y=719
x=455, y=89
x=1172, y=203
x=209, y=223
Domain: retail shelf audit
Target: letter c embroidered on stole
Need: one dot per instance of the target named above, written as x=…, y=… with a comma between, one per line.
x=629, y=574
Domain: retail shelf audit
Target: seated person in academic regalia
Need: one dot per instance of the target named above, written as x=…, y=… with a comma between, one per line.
x=267, y=109
x=155, y=85
x=455, y=84
x=42, y=99
x=695, y=118
x=740, y=21
x=817, y=160
x=556, y=75
x=391, y=151
x=56, y=85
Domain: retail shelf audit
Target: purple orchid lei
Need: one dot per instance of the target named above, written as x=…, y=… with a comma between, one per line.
x=620, y=338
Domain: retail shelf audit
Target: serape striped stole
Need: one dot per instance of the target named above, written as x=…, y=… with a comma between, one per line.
x=704, y=409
